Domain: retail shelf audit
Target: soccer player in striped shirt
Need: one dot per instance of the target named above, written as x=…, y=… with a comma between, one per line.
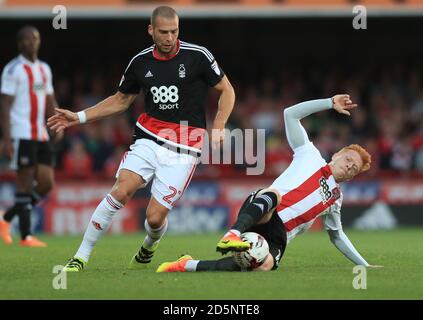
x=27, y=98
x=307, y=189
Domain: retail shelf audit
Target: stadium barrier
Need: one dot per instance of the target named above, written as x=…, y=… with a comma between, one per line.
x=213, y=2
x=213, y=206
x=128, y=9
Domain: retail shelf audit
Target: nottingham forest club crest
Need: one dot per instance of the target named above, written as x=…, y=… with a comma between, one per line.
x=182, y=70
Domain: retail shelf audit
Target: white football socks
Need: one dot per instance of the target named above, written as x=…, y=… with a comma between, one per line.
x=99, y=224
x=191, y=265
x=234, y=231
x=153, y=235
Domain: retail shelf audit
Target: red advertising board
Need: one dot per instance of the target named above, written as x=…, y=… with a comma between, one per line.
x=402, y=192
x=70, y=206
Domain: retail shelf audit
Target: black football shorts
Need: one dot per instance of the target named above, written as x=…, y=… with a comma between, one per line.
x=273, y=231
x=28, y=153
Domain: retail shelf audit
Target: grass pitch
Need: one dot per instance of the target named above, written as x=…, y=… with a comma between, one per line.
x=312, y=268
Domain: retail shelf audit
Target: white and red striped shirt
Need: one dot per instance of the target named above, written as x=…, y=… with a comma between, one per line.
x=30, y=83
x=308, y=190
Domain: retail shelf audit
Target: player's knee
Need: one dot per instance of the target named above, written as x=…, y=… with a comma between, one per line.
x=156, y=213
x=266, y=218
x=155, y=221
x=45, y=188
x=270, y=199
x=121, y=193
x=267, y=264
x=273, y=193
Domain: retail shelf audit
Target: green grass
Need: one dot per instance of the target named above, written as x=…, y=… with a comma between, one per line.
x=312, y=268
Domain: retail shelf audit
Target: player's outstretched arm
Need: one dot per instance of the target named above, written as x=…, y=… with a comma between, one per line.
x=295, y=132
x=343, y=244
x=115, y=104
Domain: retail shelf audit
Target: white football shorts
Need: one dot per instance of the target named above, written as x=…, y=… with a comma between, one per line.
x=171, y=171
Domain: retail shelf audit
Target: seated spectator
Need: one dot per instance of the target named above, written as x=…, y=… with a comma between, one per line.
x=112, y=163
x=278, y=155
x=122, y=131
x=77, y=162
x=98, y=139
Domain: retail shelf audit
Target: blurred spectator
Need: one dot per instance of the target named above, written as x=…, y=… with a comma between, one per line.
x=419, y=159
x=388, y=121
x=77, y=162
x=361, y=124
x=278, y=155
x=402, y=155
x=98, y=140
x=112, y=163
x=265, y=117
x=122, y=131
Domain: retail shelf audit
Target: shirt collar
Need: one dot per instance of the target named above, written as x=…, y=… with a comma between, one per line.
x=156, y=55
x=25, y=60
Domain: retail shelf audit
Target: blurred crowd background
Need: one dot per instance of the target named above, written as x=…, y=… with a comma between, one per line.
x=274, y=57
x=269, y=70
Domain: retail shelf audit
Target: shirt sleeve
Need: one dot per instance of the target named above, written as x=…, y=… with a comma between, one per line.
x=49, y=84
x=9, y=82
x=130, y=84
x=332, y=224
x=343, y=244
x=295, y=132
x=213, y=73
x=332, y=220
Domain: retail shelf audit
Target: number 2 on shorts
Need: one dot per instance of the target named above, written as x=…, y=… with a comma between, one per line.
x=168, y=197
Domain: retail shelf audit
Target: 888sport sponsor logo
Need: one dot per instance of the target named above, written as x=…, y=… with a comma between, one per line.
x=166, y=97
x=324, y=190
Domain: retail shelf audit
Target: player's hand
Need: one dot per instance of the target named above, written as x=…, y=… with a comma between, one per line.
x=218, y=135
x=61, y=120
x=342, y=103
x=58, y=136
x=374, y=266
x=8, y=148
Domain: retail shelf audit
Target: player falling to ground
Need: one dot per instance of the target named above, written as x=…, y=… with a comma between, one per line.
x=174, y=76
x=307, y=189
x=27, y=97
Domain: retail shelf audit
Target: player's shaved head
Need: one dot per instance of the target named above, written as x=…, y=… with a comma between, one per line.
x=164, y=29
x=164, y=12
x=24, y=31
